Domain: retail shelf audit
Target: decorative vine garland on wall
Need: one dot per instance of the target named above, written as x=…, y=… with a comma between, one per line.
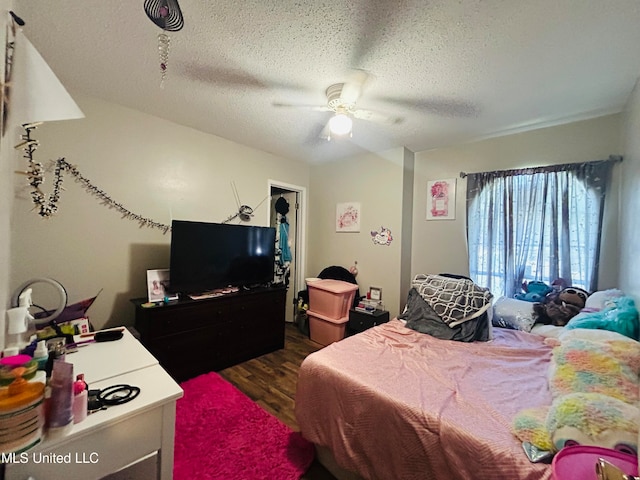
x=48, y=207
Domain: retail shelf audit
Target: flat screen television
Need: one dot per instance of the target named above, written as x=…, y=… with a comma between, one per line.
x=206, y=256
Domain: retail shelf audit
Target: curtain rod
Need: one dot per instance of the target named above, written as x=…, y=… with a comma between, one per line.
x=612, y=158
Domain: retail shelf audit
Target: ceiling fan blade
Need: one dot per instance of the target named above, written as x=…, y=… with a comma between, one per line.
x=438, y=106
x=315, y=136
x=315, y=108
x=232, y=76
x=376, y=20
x=353, y=86
x=376, y=117
x=325, y=134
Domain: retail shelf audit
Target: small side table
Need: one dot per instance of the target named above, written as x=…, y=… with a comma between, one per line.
x=360, y=321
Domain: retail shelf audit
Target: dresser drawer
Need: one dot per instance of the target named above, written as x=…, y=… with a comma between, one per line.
x=93, y=456
x=157, y=322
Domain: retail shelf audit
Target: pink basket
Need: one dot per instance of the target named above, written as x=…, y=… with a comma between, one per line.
x=579, y=462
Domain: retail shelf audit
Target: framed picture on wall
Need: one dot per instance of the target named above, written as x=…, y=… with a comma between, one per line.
x=441, y=199
x=348, y=217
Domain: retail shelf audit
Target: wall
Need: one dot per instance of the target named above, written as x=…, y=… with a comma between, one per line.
x=376, y=181
x=630, y=202
x=630, y=199
x=407, y=225
x=440, y=246
x=153, y=167
x=6, y=194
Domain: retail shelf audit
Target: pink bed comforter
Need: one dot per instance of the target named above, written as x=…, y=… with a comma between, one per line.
x=392, y=403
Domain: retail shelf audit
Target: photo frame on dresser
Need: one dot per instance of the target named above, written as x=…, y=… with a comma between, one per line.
x=375, y=293
x=158, y=285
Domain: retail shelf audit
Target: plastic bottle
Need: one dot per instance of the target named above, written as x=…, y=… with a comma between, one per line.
x=41, y=355
x=80, y=399
x=61, y=403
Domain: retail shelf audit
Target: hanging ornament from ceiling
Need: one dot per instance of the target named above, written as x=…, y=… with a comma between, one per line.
x=167, y=15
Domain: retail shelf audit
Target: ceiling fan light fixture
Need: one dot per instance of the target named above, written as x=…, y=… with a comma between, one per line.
x=340, y=124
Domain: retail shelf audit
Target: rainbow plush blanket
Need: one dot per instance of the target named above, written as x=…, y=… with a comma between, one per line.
x=610, y=368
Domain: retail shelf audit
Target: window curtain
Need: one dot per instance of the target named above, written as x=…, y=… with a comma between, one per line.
x=538, y=223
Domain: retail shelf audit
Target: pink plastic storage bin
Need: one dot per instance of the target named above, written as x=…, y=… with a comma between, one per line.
x=325, y=330
x=331, y=298
x=578, y=462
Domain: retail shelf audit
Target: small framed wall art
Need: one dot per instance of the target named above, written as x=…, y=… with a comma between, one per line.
x=441, y=199
x=348, y=217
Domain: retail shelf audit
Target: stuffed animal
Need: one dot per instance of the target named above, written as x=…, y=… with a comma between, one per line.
x=594, y=383
x=580, y=419
x=533, y=291
x=593, y=419
x=558, y=309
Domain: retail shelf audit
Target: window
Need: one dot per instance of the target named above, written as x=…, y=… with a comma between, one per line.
x=536, y=224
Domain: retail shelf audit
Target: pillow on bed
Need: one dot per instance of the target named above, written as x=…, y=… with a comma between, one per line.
x=548, y=331
x=513, y=313
x=589, y=334
x=601, y=299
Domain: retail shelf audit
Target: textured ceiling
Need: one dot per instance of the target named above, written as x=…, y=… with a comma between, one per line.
x=453, y=70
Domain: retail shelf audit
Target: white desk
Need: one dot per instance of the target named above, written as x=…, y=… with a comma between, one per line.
x=109, y=440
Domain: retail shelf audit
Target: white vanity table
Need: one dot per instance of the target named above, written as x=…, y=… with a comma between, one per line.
x=115, y=438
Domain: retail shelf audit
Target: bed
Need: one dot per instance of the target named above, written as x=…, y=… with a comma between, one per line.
x=394, y=403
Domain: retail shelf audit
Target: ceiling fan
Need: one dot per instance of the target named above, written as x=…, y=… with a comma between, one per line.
x=341, y=100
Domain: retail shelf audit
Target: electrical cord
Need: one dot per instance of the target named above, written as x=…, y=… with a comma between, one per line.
x=118, y=394
x=110, y=396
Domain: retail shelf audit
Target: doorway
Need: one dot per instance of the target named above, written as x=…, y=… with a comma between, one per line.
x=290, y=228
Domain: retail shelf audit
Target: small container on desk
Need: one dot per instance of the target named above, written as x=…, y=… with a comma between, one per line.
x=359, y=320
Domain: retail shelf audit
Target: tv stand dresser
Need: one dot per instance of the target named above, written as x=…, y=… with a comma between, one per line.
x=191, y=337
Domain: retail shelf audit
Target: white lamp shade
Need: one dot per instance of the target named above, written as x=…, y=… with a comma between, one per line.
x=340, y=124
x=37, y=95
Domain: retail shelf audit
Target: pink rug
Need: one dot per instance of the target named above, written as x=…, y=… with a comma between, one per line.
x=223, y=434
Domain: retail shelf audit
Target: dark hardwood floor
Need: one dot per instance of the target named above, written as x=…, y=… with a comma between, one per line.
x=270, y=381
